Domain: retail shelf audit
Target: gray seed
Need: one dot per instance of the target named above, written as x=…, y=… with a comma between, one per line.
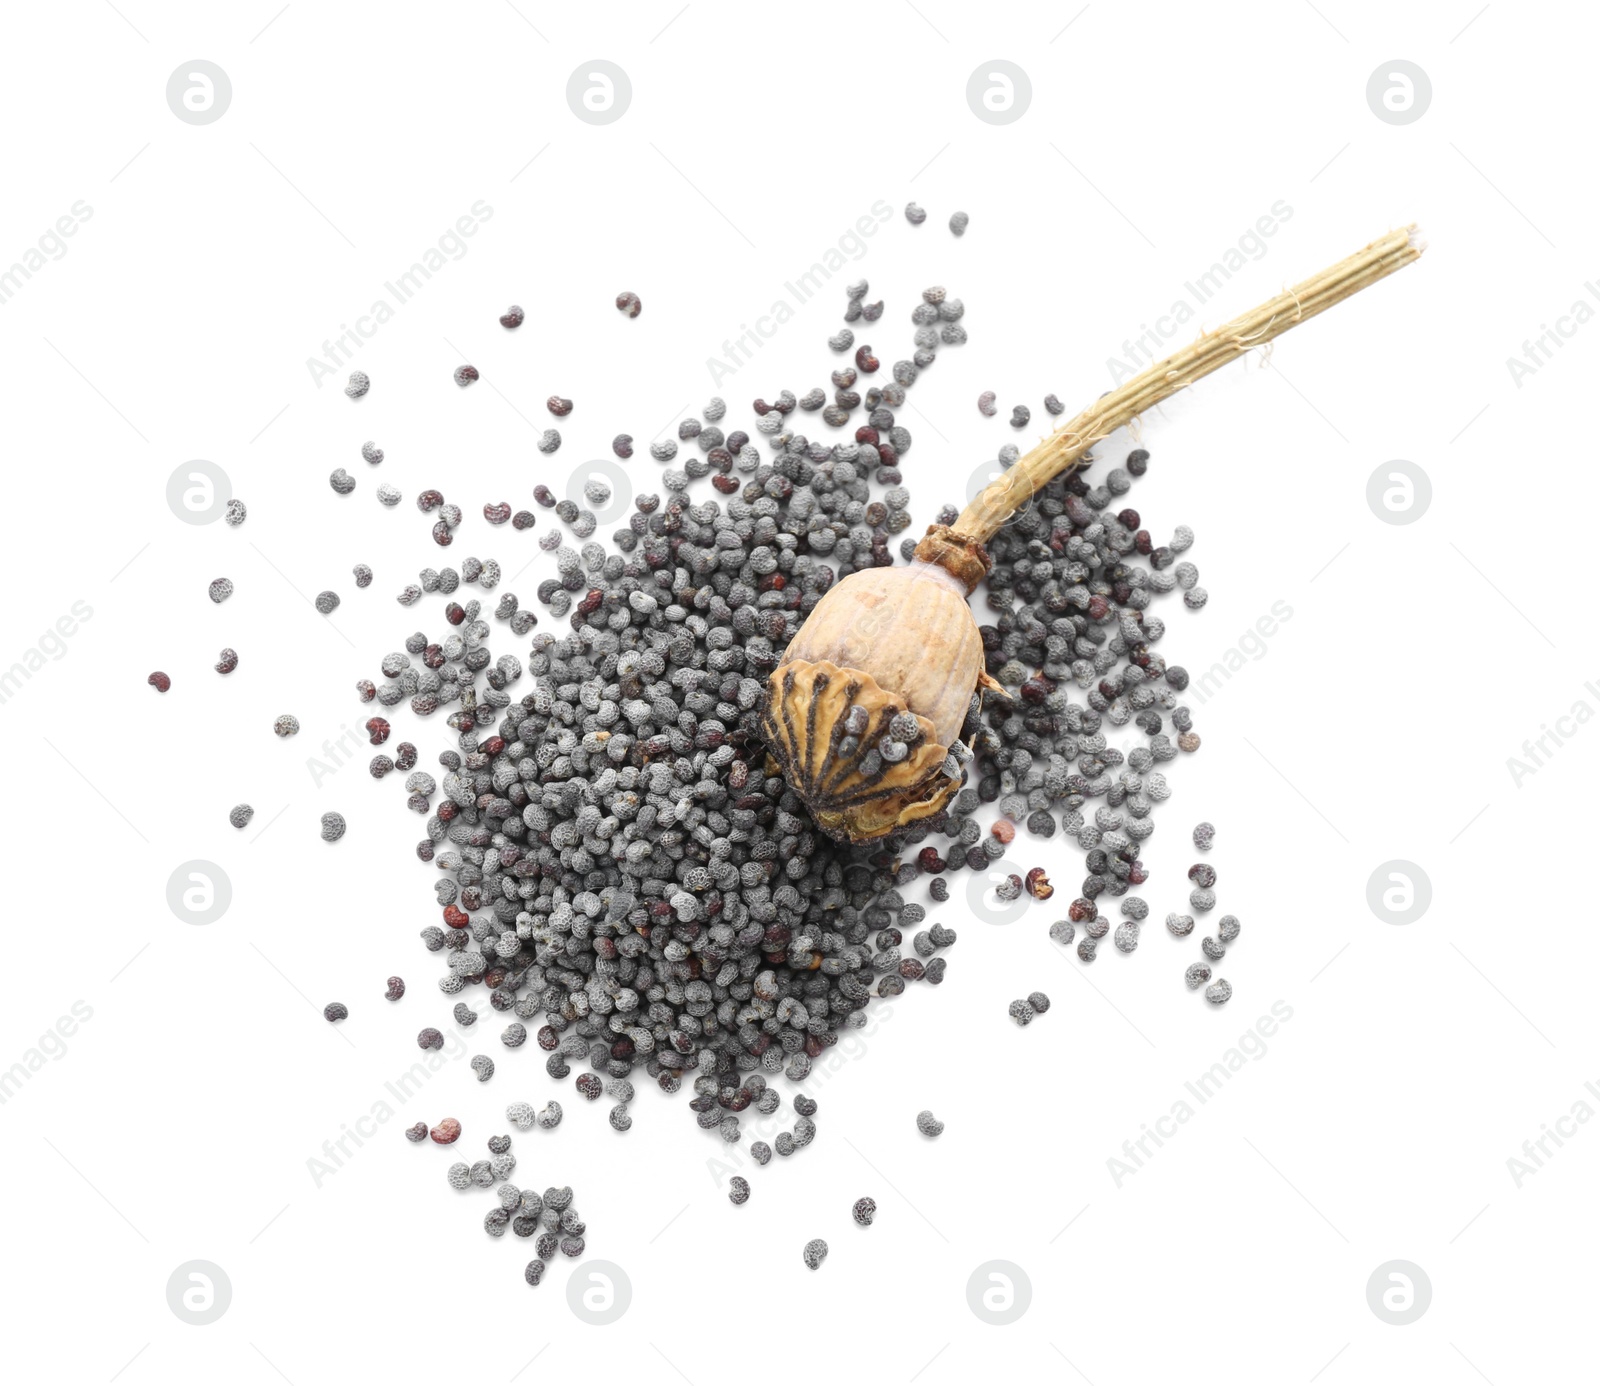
x=1212, y=949
x=1196, y=975
x=816, y=1252
x=958, y=223
x=1180, y=925
x=327, y=602
x=1201, y=899
x=332, y=826
x=1021, y=1012
x=235, y=513
x=738, y=1190
x=372, y=453
x=914, y=214
x=1126, y=937
x=929, y=1124
x=1227, y=928
x=240, y=814
x=1219, y=991
x=341, y=481
x=220, y=590
x=359, y=384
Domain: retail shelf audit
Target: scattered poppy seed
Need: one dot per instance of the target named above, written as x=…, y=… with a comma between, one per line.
x=159, y=681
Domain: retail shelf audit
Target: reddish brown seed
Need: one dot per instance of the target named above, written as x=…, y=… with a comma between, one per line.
x=1203, y=874
x=432, y=1039
x=456, y=917
x=867, y=434
x=465, y=375
x=628, y=304
x=1189, y=741
x=454, y=613
x=442, y=535
x=544, y=495
x=512, y=317
x=430, y=500
x=377, y=731
x=228, y=662
x=1004, y=829
x=866, y=362
x=558, y=406
x=395, y=989
x=1138, y=873
x=1080, y=910
x=366, y=690
x=589, y=1085
x=622, y=445
x=497, y=513
x=1128, y=519
x=930, y=861
x=1038, y=884
x=447, y=1131
x=159, y=681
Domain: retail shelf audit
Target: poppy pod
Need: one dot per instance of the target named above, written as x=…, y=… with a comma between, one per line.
x=864, y=713
x=868, y=703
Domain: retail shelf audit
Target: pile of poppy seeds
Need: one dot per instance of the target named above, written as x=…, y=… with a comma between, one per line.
x=623, y=872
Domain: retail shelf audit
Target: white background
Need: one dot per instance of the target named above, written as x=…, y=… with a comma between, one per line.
x=179, y=1122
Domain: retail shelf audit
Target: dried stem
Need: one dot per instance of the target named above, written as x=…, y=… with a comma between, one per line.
x=982, y=519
